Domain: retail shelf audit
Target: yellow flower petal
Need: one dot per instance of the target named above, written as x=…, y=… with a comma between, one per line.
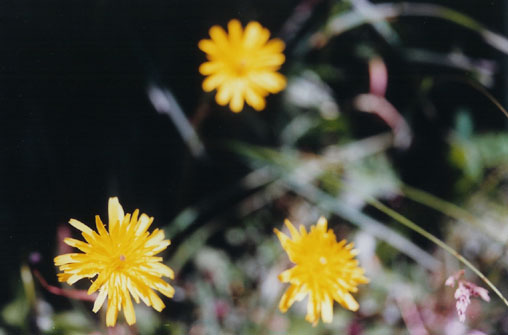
x=63, y=259
x=100, y=226
x=123, y=260
x=163, y=270
x=271, y=61
x=271, y=81
x=325, y=270
x=81, y=226
x=73, y=278
x=143, y=224
x=255, y=35
x=254, y=99
x=327, y=309
x=313, y=310
x=242, y=65
x=288, y=298
x=100, y=300
x=292, y=229
x=208, y=46
x=155, y=301
x=286, y=243
x=219, y=37
x=209, y=68
x=128, y=309
x=214, y=81
x=285, y=276
x=112, y=312
x=274, y=46
x=77, y=244
x=115, y=213
x=224, y=94
x=235, y=32
x=236, y=103
x=322, y=224
x=350, y=302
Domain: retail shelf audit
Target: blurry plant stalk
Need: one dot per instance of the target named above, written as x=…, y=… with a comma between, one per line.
x=387, y=11
x=165, y=103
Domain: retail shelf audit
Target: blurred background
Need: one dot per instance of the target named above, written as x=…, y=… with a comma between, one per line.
x=396, y=101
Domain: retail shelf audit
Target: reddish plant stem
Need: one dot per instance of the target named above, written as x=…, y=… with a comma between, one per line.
x=73, y=294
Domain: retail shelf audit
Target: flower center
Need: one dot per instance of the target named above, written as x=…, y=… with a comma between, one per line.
x=315, y=264
x=118, y=262
x=240, y=67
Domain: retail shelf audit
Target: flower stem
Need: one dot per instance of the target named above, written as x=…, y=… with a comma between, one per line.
x=413, y=226
x=436, y=203
x=443, y=206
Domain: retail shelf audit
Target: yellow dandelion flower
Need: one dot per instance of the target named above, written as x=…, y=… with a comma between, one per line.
x=123, y=259
x=325, y=269
x=242, y=65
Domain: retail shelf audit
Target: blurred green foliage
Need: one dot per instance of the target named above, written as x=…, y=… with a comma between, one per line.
x=315, y=152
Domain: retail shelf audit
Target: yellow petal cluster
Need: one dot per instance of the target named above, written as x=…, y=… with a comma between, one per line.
x=325, y=270
x=123, y=259
x=242, y=65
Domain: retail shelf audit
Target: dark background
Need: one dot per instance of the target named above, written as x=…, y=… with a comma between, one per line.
x=76, y=126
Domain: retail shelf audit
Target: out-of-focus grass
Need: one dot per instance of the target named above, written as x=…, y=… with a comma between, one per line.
x=325, y=158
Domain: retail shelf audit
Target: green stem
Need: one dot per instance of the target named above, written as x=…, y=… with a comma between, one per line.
x=439, y=205
x=447, y=208
x=413, y=226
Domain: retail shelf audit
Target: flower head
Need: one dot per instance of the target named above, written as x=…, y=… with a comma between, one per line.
x=123, y=259
x=242, y=65
x=325, y=269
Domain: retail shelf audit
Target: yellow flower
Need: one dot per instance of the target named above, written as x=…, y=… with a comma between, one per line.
x=123, y=259
x=325, y=269
x=242, y=65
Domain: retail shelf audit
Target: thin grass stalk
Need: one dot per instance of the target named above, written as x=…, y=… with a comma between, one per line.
x=445, y=207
